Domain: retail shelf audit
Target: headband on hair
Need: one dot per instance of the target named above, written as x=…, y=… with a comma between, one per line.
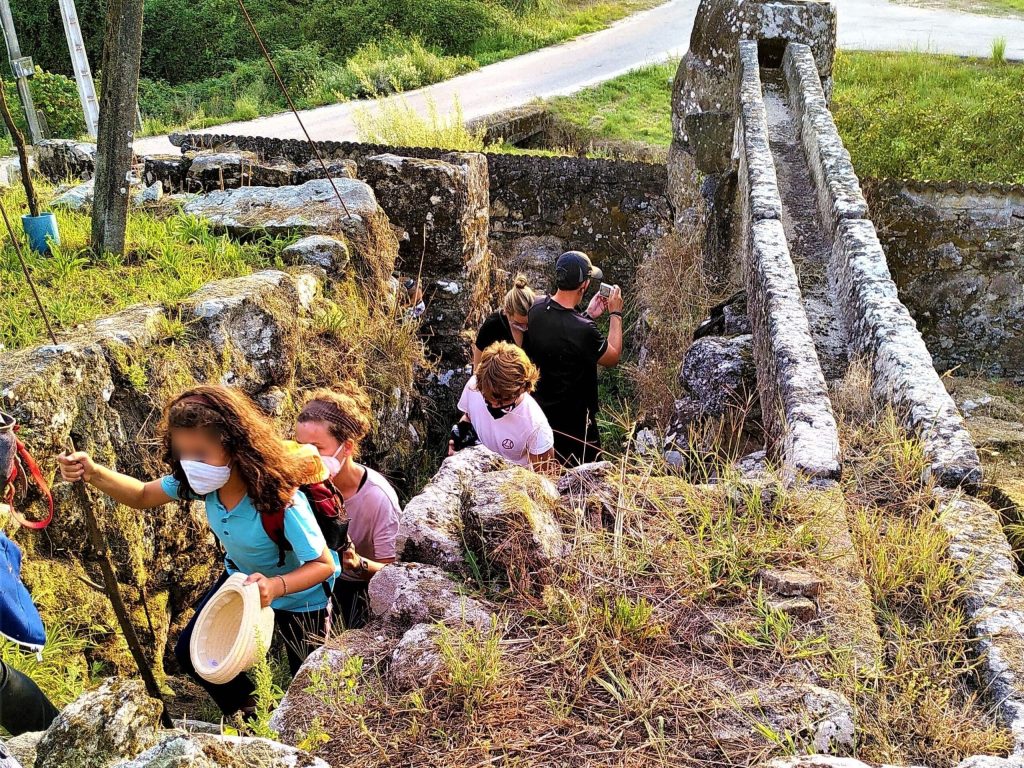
x=321, y=410
x=197, y=399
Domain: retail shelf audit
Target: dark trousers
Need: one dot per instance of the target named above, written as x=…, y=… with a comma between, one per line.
x=23, y=707
x=577, y=440
x=301, y=633
x=352, y=603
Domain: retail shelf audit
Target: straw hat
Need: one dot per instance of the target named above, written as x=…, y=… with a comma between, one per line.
x=229, y=630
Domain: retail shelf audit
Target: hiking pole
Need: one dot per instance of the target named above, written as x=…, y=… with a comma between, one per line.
x=92, y=525
x=291, y=105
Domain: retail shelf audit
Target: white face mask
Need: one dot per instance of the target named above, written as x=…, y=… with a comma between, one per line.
x=205, y=478
x=332, y=463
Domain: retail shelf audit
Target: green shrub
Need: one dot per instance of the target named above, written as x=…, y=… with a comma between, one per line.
x=300, y=70
x=56, y=97
x=396, y=64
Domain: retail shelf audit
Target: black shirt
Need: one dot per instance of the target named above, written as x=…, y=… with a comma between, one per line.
x=565, y=345
x=494, y=329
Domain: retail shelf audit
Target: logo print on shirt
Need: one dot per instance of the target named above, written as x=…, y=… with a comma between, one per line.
x=508, y=444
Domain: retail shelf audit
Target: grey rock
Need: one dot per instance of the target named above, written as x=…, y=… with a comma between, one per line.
x=430, y=528
x=582, y=478
x=799, y=608
x=328, y=670
x=443, y=205
x=990, y=761
x=791, y=582
x=253, y=320
x=338, y=169
x=753, y=466
x=416, y=659
x=171, y=171
x=719, y=373
x=820, y=720
x=404, y=594
x=75, y=199
x=509, y=524
x=61, y=159
x=8, y=759
x=189, y=725
x=210, y=171
x=23, y=748
x=208, y=751
x=101, y=728
x=154, y=193
x=329, y=253
x=816, y=761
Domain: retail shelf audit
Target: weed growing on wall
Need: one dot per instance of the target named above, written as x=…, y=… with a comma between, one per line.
x=397, y=123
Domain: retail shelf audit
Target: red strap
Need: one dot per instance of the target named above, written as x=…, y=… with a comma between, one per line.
x=37, y=476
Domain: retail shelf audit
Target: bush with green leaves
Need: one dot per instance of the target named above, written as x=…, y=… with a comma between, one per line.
x=56, y=97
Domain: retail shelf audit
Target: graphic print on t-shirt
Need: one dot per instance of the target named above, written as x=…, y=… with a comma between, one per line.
x=508, y=444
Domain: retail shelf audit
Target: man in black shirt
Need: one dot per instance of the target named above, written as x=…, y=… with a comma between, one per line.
x=567, y=347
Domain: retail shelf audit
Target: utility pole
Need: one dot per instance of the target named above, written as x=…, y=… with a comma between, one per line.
x=119, y=108
x=23, y=70
x=80, y=63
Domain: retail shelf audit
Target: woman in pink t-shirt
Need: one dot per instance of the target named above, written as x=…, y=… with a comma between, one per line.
x=336, y=421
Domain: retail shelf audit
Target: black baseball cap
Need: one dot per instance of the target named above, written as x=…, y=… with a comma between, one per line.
x=574, y=268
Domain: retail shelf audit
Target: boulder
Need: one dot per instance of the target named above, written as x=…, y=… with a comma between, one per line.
x=309, y=209
x=430, y=527
x=511, y=528
x=405, y=594
x=23, y=748
x=62, y=159
x=328, y=253
x=253, y=322
x=753, y=466
x=101, y=728
x=818, y=719
x=443, y=205
x=154, y=193
x=817, y=761
x=416, y=659
x=75, y=199
x=208, y=751
x=329, y=669
x=532, y=255
x=791, y=582
x=719, y=373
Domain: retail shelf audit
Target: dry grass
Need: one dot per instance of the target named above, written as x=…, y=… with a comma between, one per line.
x=673, y=297
x=634, y=654
x=923, y=707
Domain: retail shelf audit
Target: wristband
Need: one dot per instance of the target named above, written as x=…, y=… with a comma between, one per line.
x=615, y=314
x=284, y=585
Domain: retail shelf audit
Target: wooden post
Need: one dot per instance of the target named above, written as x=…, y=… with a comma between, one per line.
x=119, y=100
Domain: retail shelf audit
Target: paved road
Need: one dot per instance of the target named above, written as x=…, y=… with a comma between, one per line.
x=645, y=38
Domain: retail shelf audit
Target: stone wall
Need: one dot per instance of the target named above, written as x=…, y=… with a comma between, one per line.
x=878, y=326
x=956, y=252
x=794, y=399
x=612, y=209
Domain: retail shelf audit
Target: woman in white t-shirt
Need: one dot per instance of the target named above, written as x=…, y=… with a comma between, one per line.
x=336, y=421
x=506, y=418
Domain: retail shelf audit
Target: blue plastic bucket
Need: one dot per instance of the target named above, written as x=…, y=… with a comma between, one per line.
x=41, y=230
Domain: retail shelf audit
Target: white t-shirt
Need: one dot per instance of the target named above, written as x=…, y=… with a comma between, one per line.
x=374, y=514
x=515, y=435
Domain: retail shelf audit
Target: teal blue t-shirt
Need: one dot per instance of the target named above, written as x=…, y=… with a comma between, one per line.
x=251, y=550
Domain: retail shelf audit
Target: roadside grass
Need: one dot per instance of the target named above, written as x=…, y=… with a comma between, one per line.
x=396, y=123
x=167, y=258
x=396, y=62
x=633, y=107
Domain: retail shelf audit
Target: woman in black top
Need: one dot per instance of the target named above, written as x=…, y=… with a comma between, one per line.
x=509, y=322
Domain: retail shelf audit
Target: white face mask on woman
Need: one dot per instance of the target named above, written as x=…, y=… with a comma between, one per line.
x=332, y=463
x=205, y=478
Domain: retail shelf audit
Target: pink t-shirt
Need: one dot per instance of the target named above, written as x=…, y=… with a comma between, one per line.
x=373, y=511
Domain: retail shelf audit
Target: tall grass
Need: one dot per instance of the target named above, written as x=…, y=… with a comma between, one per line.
x=397, y=123
x=999, y=50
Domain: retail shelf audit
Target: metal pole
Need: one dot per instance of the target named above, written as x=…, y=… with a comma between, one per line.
x=80, y=63
x=22, y=69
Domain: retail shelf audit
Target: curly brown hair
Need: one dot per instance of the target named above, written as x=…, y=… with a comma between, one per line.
x=504, y=372
x=344, y=410
x=270, y=474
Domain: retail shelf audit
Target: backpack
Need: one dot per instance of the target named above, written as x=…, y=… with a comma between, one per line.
x=17, y=467
x=324, y=499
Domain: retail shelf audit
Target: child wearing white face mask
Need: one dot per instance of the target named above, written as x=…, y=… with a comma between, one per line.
x=223, y=451
x=335, y=421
